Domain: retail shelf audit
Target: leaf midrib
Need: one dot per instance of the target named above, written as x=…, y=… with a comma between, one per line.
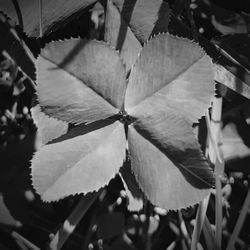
x=174, y=161
x=167, y=83
x=73, y=75
x=103, y=140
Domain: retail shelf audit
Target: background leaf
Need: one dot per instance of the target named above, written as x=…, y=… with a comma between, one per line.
x=119, y=35
x=79, y=165
x=233, y=71
x=233, y=146
x=53, y=13
x=174, y=71
x=16, y=48
x=166, y=159
x=80, y=81
x=145, y=17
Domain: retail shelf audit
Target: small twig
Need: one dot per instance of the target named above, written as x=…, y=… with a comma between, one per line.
x=72, y=221
x=240, y=222
x=200, y=217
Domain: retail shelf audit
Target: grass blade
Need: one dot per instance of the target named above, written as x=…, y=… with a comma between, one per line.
x=239, y=222
x=209, y=235
x=185, y=239
x=72, y=221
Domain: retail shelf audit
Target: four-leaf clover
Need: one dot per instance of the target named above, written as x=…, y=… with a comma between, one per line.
x=148, y=112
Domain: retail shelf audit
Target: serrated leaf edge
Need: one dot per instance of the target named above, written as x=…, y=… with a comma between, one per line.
x=126, y=77
x=157, y=205
x=77, y=193
x=154, y=36
x=40, y=109
x=107, y=44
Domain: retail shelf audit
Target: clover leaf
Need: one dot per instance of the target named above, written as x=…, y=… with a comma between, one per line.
x=149, y=113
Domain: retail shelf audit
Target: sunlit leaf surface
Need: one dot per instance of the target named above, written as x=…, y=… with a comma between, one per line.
x=166, y=156
x=84, y=83
x=79, y=165
x=80, y=81
x=173, y=71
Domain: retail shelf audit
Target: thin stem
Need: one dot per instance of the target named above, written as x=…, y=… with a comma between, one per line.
x=93, y=221
x=209, y=235
x=239, y=222
x=147, y=237
x=218, y=205
x=183, y=230
x=72, y=221
x=215, y=135
x=200, y=217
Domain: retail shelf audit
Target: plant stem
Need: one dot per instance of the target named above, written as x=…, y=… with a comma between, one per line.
x=184, y=232
x=93, y=221
x=239, y=222
x=72, y=221
x=147, y=237
x=209, y=235
x=200, y=216
x=213, y=150
x=218, y=205
x=219, y=165
x=172, y=245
